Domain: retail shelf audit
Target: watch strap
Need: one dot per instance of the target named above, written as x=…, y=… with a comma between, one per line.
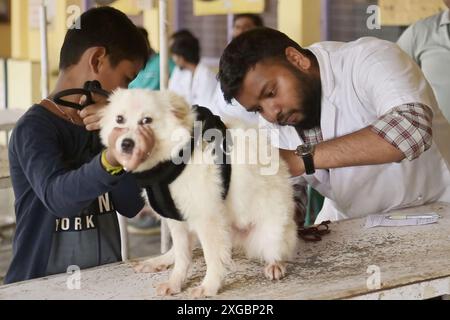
x=309, y=163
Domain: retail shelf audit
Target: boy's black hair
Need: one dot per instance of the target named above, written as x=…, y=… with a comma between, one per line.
x=145, y=34
x=246, y=50
x=187, y=47
x=104, y=27
x=257, y=19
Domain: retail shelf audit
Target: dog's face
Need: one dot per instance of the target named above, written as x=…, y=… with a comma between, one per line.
x=166, y=114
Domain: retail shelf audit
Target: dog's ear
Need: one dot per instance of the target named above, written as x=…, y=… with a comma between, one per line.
x=178, y=106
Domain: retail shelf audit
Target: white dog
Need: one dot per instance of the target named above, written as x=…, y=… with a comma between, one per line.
x=256, y=215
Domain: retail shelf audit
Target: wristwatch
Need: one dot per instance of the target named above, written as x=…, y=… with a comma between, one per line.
x=306, y=152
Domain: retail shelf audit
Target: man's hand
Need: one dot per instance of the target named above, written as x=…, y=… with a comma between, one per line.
x=144, y=145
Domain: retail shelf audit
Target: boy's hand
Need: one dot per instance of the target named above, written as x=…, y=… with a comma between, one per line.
x=91, y=114
x=144, y=145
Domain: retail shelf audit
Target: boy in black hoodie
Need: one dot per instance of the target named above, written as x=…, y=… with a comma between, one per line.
x=68, y=190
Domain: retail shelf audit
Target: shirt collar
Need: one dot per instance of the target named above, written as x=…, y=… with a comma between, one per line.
x=445, y=18
x=326, y=71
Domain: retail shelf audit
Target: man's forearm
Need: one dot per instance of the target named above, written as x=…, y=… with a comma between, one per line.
x=360, y=148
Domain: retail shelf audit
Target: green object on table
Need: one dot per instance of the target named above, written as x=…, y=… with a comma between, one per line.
x=315, y=204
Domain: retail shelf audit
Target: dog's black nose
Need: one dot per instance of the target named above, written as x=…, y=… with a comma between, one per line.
x=128, y=145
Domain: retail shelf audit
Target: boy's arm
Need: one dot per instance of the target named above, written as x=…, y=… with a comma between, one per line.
x=65, y=193
x=126, y=197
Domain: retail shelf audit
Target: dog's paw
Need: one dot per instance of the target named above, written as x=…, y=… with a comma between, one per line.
x=166, y=289
x=201, y=292
x=275, y=271
x=149, y=267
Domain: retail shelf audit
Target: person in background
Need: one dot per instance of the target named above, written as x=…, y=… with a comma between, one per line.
x=149, y=77
x=246, y=21
x=180, y=75
x=192, y=79
x=428, y=43
x=180, y=34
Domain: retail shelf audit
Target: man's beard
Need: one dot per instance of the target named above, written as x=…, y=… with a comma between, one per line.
x=310, y=100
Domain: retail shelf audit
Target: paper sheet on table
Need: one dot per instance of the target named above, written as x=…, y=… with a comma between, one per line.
x=382, y=220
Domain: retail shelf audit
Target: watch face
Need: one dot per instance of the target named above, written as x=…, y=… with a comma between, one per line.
x=304, y=149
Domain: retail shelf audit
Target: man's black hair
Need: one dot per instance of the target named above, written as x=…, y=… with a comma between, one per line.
x=246, y=50
x=104, y=27
x=182, y=33
x=187, y=47
x=257, y=19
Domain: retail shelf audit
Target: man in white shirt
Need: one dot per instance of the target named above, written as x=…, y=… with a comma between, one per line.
x=428, y=43
x=364, y=120
x=191, y=79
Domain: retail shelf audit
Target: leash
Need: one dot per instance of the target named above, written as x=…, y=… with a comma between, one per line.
x=90, y=88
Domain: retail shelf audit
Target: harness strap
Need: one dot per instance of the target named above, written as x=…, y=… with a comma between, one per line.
x=89, y=88
x=156, y=182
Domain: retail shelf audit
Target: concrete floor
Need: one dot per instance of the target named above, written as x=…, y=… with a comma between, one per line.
x=140, y=245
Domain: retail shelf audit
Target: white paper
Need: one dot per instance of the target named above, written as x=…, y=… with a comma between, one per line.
x=383, y=220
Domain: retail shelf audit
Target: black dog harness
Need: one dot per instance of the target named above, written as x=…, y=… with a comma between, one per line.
x=156, y=181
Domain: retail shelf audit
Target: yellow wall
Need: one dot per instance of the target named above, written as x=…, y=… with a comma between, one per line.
x=26, y=42
x=23, y=83
x=300, y=20
x=56, y=33
x=151, y=23
x=2, y=83
x=203, y=8
x=150, y=18
x=19, y=29
x=26, y=47
x=406, y=12
x=5, y=45
x=127, y=6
